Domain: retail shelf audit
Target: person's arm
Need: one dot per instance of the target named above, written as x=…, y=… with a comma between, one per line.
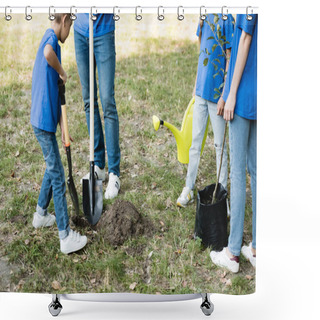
x=53, y=61
x=243, y=51
x=221, y=102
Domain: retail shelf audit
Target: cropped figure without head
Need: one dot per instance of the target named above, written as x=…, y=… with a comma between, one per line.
x=45, y=116
x=215, y=37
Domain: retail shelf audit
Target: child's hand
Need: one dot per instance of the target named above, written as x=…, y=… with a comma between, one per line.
x=229, y=108
x=220, y=107
x=63, y=76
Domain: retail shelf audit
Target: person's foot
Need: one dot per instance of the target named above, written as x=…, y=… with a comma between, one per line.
x=113, y=186
x=43, y=221
x=222, y=259
x=73, y=242
x=100, y=174
x=185, y=197
x=247, y=252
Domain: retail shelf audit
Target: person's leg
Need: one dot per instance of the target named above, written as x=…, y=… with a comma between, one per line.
x=252, y=170
x=239, y=129
x=218, y=125
x=105, y=56
x=82, y=57
x=55, y=175
x=45, y=195
x=199, y=122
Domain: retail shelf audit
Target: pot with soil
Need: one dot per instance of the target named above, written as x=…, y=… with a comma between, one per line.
x=212, y=218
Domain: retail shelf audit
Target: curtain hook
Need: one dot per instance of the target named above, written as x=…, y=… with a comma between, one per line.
x=72, y=15
x=180, y=15
x=93, y=17
x=51, y=16
x=248, y=16
x=138, y=16
x=224, y=16
x=28, y=16
x=116, y=17
x=7, y=16
x=203, y=16
x=160, y=16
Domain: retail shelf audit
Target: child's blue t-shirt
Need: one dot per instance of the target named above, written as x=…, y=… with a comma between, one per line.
x=45, y=101
x=103, y=25
x=211, y=75
x=246, y=100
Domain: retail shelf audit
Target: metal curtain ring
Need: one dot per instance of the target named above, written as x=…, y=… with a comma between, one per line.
x=224, y=16
x=51, y=16
x=93, y=17
x=6, y=15
x=28, y=16
x=203, y=16
x=72, y=15
x=180, y=15
x=248, y=16
x=138, y=16
x=116, y=17
x=160, y=16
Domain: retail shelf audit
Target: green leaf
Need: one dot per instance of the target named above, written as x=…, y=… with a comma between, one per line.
x=205, y=61
x=216, y=96
x=215, y=67
x=221, y=86
x=210, y=38
x=217, y=60
x=217, y=91
x=214, y=47
x=216, y=18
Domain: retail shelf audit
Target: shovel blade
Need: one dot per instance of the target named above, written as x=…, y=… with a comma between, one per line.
x=92, y=201
x=73, y=194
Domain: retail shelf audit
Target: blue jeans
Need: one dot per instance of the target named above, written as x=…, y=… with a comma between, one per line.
x=243, y=154
x=202, y=108
x=53, y=182
x=105, y=62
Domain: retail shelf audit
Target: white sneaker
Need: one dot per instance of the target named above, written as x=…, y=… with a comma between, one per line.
x=221, y=259
x=43, y=221
x=186, y=197
x=73, y=242
x=100, y=174
x=113, y=186
x=247, y=252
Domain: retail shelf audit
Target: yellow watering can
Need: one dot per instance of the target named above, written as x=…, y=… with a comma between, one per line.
x=184, y=136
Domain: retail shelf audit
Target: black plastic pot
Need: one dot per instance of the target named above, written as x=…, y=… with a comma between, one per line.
x=212, y=219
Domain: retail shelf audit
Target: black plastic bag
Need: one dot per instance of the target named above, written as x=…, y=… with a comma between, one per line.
x=212, y=219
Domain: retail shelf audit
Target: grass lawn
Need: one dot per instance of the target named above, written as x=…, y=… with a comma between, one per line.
x=155, y=74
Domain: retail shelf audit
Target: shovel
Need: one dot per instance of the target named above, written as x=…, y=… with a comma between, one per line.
x=70, y=183
x=92, y=194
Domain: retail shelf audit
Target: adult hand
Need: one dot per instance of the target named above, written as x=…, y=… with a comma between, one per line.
x=220, y=106
x=229, y=108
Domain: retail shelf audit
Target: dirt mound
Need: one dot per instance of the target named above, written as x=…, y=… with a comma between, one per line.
x=121, y=222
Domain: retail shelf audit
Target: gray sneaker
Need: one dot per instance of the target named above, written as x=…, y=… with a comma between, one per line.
x=185, y=198
x=43, y=221
x=73, y=242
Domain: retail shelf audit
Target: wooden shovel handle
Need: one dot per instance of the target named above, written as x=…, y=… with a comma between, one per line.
x=65, y=125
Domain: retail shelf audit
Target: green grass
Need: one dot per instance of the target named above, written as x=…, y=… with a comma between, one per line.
x=156, y=77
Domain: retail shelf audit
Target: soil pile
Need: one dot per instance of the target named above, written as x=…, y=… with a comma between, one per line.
x=122, y=222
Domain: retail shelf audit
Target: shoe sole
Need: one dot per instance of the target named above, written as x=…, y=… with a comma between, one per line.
x=74, y=250
x=183, y=206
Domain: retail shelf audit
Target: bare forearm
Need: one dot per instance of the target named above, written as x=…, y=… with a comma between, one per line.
x=243, y=51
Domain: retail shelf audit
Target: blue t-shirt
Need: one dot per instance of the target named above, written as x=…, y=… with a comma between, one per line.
x=246, y=103
x=211, y=75
x=103, y=25
x=45, y=101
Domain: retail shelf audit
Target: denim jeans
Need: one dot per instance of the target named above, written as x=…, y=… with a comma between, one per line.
x=104, y=61
x=243, y=154
x=202, y=108
x=53, y=182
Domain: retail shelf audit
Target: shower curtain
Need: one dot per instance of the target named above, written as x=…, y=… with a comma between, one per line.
x=147, y=65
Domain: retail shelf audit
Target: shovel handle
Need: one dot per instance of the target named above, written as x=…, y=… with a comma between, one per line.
x=65, y=125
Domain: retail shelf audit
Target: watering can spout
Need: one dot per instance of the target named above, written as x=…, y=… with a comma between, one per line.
x=184, y=136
